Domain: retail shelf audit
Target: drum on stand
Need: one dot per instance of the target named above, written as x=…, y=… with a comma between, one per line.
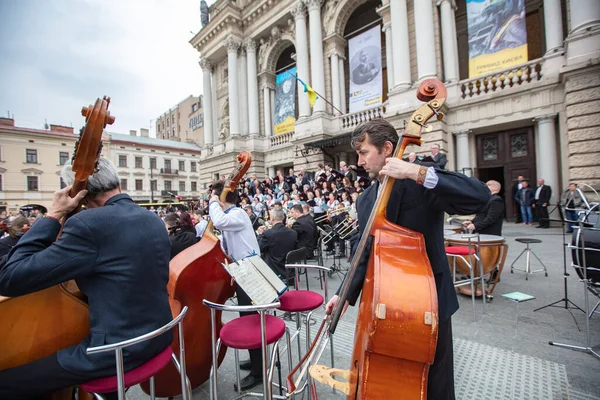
x=493, y=252
x=591, y=239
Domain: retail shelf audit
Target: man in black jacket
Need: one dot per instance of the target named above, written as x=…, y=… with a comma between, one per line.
x=276, y=243
x=305, y=228
x=489, y=220
x=540, y=203
x=420, y=196
x=180, y=239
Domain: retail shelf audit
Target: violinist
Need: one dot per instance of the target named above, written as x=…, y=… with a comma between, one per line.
x=420, y=196
x=124, y=278
x=15, y=230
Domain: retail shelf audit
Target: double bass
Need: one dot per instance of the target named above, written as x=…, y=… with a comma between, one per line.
x=396, y=331
x=196, y=274
x=39, y=324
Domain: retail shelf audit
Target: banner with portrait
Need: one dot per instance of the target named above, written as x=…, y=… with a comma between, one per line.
x=285, y=102
x=497, y=35
x=366, y=82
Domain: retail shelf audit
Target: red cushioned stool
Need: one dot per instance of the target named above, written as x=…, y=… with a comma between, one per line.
x=247, y=333
x=144, y=372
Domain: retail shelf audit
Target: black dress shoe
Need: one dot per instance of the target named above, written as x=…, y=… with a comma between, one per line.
x=246, y=365
x=248, y=382
x=539, y=226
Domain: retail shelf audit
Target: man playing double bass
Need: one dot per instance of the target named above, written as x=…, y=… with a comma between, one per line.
x=420, y=196
x=118, y=254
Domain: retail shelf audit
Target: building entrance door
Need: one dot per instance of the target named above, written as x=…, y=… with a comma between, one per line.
x=503, y=156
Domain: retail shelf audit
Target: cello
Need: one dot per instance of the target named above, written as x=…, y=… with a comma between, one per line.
x=196, y=274
x=39, y=324
x=397, y=325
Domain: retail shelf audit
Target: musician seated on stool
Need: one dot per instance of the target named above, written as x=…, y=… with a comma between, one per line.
x=489, y=220
x=253, y=217
x=122, y=268
x=337, y=224
x=275, y=243
x=15, y=232
x=305, y=227
x=238, y=241
x=181, y=238
x=420, y=196
x=306, y=208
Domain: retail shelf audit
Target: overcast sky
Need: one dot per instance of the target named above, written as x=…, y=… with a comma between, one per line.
x=56, y=56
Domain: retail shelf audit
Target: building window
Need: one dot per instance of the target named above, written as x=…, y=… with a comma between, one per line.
x=32, y=183
x=31, y=156
x=194, y=107
x=139, y=184
x=138, y=162
x=167, y=185
x=123, y=184
x=153, y=163
x=182, y=165
x=182, y=186
x=62, y=183
x=63, y=157
x=194, y=186
x=193, y=166
x=153, y=186
x=490, y=149
x=122, y=161
x=518, y=145
x=167, y=164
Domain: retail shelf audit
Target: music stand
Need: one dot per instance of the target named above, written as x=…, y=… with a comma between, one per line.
x=568, y=304
x=588, y=348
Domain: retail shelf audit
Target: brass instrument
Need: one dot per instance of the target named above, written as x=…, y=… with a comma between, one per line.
x=343, y=230
x=331, y=213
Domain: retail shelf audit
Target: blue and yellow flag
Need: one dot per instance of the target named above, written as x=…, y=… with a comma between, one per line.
x=312, y=95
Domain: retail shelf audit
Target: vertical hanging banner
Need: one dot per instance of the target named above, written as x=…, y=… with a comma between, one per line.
x=366, y=82
x=497, y=35
x=285, y=102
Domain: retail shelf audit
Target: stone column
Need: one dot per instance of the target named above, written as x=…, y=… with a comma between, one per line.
x=271, y=172
x=584, y=14
x=335, y=81
x=232, y=46
x=299, y=13
x=462, y=151
x=207, y=66
x=546, y=139
x=387, y=29
x=267, y=111
x=316, y=51
x=553, y=25
x=253, y=119
x=425, y=39
x=243, y=91
x=449, y=42
x=343, y=96
x=400, y=47
x=215, y=134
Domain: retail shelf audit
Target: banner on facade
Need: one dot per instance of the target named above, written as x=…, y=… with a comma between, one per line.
x=285, y=102
x=497, y=35
x=366, y=82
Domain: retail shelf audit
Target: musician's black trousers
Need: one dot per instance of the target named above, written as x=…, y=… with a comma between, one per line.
x=39, y=378
x=542, y=215
x=255, y=354
x=440, y=385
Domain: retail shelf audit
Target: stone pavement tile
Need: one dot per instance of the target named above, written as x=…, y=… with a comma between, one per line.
x=584, y=384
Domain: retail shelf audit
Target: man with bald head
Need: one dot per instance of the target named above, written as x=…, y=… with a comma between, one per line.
x=541, y=200
x=489, y=219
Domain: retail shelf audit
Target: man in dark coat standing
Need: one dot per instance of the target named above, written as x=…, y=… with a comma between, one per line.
x=517, y=207
x=541, y=199
x=489, y=220
x=420, y=196
x=118, y=254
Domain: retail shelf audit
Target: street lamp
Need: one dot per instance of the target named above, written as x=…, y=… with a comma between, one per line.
x=151, y=185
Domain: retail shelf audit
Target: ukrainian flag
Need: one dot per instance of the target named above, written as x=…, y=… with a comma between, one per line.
x=312, y=95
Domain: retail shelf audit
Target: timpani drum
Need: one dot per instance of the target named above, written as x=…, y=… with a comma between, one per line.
x=493, y=252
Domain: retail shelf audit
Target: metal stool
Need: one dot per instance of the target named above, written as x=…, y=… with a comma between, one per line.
x=527, y=269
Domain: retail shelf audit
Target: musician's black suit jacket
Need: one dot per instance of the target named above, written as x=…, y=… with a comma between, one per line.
x=118, y=255
x=274, y=244
x=307, y=232
x=489, y=220
x=545, y=195
x=420, y=209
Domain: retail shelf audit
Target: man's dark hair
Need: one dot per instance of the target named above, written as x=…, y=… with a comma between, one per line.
x=172, y=219
x=231, y=198
x=379, y=131
x=298, y=208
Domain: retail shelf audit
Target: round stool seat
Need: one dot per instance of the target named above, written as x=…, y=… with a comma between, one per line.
x=300, y=300
x=244, y=333
x=460, y=250
x=131, y=378
x=528, y=240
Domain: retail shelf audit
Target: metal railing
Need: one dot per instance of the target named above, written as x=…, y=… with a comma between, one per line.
x=279, y=140
x=169, y=171
x=357, y=118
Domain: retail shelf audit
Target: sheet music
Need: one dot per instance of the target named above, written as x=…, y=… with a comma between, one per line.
x=268, y=273
x=256, y=286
